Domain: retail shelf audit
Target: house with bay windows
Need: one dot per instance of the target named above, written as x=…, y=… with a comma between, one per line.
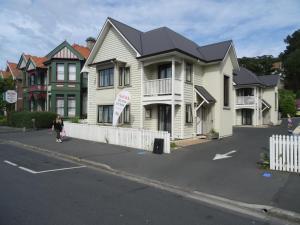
x=66, y=85
x=256, y=98
x=175, y=84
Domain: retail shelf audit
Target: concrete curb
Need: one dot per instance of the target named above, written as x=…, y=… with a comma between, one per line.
x=263, y=212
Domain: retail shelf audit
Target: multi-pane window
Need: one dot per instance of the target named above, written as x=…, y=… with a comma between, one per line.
x=124, y=76
x=276, y=101
x=188, y=72
x=125, y=115
x=188, y=113
x=106, y=77
x=60, y=105
x=60, y=72
x=105, y=113
x=226, y=91
x=32, y=81
x=71, y=106
x=72, y=72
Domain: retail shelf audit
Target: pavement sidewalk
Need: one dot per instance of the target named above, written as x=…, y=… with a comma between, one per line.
x=237, y=178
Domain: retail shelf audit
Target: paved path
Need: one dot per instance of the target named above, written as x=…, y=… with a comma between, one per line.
x=237, y=178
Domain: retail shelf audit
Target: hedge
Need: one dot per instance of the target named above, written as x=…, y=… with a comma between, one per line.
x=24, y=119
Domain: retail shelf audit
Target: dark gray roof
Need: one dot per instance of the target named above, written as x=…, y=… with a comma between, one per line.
x=270, y=80
x=163, y=39
x=244, y=76
x=205, y=94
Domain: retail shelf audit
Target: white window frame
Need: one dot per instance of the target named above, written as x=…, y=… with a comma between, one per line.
x=72, y=74
x=60, y=73
x=71, y=98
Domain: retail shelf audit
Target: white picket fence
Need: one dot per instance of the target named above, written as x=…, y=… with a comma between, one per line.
x=129, y=137
x=285, y=153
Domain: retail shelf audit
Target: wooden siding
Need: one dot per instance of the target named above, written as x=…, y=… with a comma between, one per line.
x=65, y=53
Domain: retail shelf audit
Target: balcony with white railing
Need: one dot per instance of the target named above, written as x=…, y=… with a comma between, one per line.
x=242, y=101
x=161, y=89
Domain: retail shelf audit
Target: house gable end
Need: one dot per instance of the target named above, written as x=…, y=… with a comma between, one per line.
x=64, y=51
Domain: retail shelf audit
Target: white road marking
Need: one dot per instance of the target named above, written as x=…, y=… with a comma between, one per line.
x=10, y=163
x=28, y=170
x=44, y=171
x=224, y=156
x=69, y=168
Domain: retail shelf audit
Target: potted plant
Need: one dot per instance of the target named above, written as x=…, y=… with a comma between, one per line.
x=213, y=134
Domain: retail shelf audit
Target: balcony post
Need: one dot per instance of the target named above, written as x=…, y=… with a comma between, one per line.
x=173, y=100
x=142, y=96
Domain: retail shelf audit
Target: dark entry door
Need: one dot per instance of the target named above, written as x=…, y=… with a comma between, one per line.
x=246, y=116
x=164, y=118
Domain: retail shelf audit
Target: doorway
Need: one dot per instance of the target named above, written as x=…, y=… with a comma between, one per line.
x=164, y=118
x=247, y=116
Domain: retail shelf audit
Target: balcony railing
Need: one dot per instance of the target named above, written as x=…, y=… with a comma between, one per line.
x=245, y=100
x=37, y=88
x=161, y=87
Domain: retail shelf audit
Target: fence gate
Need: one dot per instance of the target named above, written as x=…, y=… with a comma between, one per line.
x=285, y=153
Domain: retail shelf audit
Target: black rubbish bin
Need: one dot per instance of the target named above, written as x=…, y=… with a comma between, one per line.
x=158, y=147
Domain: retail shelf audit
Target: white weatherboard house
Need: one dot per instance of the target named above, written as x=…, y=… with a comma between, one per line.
x=175, y=84
x=256, y=98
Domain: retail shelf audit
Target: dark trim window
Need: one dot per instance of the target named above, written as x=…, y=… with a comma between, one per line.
x=60, y=72
x=106, y=77
x=32, y=80
x=226, y=91
x=188, y=113
x=124, y=76
x=188, y=72
x=71, y=105
x=165, y=71
x=105, y=113
x=125, y=115
x=72, y=72
x=60, y=105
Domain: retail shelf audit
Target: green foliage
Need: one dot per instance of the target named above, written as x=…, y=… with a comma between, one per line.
x=173, y=145
x=291, y=62
x=6, y=84
x=287, y=102
x=261, y=65
x=3, y=121
x=74, y=119
x=264, y=162
x=25, y=119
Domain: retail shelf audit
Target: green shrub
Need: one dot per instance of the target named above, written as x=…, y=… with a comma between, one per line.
x=287, y=103
x=25, y=119
x=74, y=119
x=3, y=121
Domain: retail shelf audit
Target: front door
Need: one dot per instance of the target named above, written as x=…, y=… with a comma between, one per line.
x=246, y=117
x=164, y=118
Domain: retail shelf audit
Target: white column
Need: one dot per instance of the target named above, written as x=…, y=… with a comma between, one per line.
x=173, y=100
x=182, y=98
x=142, y=96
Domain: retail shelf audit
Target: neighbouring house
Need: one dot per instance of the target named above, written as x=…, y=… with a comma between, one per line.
x=15, y=73
x=298, y=107
x=175, y=84
x=67, y=86
x=256, y=98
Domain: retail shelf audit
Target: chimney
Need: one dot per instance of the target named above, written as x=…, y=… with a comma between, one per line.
x=90, y=41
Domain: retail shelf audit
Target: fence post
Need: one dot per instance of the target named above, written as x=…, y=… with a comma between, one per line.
x=292, y=154
x=272, y=155
x=295, y=153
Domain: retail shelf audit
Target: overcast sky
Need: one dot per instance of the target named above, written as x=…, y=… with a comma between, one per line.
x=257, y=27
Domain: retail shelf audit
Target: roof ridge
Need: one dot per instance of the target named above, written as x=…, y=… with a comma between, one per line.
x=215, y=43
x=124, y=24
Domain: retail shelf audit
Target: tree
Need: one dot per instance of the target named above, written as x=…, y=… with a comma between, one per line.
x=291, y=61
x=261, y=65
x=287, y=101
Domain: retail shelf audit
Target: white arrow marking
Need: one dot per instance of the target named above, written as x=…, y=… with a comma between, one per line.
x=224, y=156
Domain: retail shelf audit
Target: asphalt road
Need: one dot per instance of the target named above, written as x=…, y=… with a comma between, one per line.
x=33, y=191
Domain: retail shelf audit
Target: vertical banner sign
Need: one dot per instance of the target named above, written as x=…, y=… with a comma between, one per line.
x=11, y=96
x=123, y=98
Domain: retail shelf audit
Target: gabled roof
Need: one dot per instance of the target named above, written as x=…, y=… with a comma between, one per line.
x=205, y=94
x=24, y=57
x=5, y=74
x=164, y=39
x=37, y=61
x=244, y=76
x=270, y=80
x=72, y=51
x=15, y=72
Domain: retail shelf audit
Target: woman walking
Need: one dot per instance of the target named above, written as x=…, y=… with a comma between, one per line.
x=58, y=125
x=290, y=124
